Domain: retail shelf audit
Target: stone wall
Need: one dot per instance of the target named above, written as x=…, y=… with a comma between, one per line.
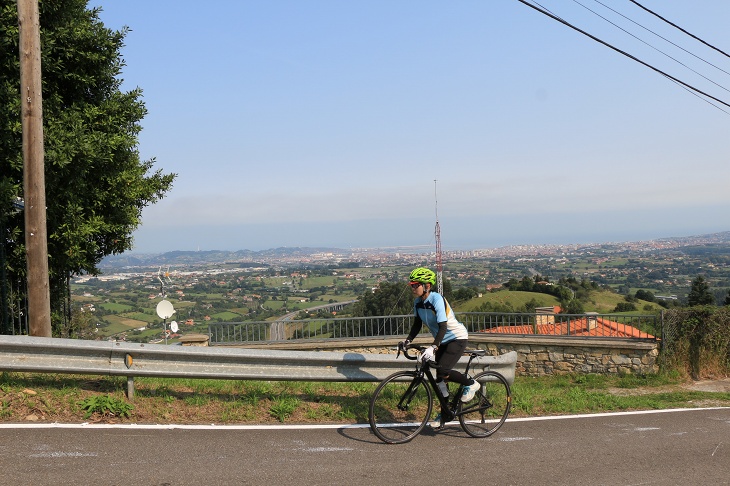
x=536, y=355
x=555, y=358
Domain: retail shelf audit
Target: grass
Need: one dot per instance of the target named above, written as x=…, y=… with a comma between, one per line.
x=105, y=405
x=114, y=307
x=516, y=299
x=75, y=399
x=599, y=301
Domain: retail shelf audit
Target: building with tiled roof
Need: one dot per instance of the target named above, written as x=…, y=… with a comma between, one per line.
x=588, y=325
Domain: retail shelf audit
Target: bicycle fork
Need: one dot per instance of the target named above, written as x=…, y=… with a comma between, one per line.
x=405, y=400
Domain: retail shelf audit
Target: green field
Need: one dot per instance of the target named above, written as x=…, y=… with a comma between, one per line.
x=225, y=316
x=515, y=299
x=119, y=324
x=142, y=316
x=274, y=304
x=605, y=303
x=114, y=307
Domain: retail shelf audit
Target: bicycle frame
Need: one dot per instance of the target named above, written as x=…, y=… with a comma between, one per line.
x=424, y=369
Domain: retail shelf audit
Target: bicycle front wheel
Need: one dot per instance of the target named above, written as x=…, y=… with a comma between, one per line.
x=487, y=411
x=400, y=407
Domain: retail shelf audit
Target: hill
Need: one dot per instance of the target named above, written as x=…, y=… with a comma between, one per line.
x=516, y=300
x=601, y=301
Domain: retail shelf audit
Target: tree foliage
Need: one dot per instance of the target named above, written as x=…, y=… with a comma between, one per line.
x=465, y=293
x=571, y=293
x=388, y=299
x=699, y=338
x=96, y=184
x=645, y=295
x=699, y=293
x=625, y=307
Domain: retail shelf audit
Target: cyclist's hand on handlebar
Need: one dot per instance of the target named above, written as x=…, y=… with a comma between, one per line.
x=428, y=354
x=403, y=348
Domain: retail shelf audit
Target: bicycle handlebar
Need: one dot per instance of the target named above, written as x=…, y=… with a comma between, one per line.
x=405, y=350
x=419, y=349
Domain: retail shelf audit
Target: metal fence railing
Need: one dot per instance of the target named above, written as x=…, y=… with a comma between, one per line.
x=334, y=328
x=645, y=327
x=583, y=325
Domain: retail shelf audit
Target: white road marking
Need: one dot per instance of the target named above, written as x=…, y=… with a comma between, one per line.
x=87, y=425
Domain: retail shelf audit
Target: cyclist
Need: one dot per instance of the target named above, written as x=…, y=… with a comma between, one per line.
x=449, y=335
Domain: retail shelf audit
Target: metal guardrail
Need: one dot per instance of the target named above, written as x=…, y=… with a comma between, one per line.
x=582, y=325
x=54, y=355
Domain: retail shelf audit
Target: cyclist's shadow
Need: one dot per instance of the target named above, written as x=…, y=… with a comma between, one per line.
x=359, y=432
x=352, y=371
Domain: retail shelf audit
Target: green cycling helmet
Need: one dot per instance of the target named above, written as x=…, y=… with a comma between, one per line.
x=423, y=275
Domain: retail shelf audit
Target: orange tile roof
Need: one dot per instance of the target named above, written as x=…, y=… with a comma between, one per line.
x=575, y=327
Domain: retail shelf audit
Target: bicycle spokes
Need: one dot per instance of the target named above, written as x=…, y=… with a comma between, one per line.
x=400, y=407
x=483, y=415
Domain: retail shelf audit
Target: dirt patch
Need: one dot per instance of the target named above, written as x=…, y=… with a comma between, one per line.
x=722, y=385
x=717, y=386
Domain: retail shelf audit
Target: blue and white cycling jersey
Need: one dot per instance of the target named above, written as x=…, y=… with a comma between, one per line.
x=436, y=309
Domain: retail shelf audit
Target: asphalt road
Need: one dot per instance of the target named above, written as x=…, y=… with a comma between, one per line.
x=682, y=447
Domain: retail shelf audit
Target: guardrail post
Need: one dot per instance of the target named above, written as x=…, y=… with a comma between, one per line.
x=130, y=388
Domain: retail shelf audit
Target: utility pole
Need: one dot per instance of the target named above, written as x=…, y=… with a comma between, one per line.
x=437, y=234
x=34, y=182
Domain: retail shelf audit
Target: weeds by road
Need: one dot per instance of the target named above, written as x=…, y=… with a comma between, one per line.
x=26, y=397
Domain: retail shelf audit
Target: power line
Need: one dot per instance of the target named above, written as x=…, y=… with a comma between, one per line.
x=437, y=234
x=678, y=27
x=700, y=97
x=663, y=38
x=676, y=80
x=646, y=43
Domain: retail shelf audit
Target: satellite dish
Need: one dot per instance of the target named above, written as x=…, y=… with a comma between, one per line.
x=173, y=326
x=165, y=309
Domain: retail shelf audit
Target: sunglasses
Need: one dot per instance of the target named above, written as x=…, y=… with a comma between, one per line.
x=416, y=285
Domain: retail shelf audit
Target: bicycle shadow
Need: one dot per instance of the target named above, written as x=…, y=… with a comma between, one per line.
x=365, y=434
x=360, y=434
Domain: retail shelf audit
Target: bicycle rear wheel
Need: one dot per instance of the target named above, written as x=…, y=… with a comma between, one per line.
x=487, y=411
x=400, y=407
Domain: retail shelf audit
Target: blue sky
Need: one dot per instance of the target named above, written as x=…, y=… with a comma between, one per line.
x=325, y=123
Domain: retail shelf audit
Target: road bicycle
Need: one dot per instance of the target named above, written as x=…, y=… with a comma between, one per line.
x=402, y=403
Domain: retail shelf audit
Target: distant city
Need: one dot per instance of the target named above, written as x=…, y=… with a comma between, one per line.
x=395, y=255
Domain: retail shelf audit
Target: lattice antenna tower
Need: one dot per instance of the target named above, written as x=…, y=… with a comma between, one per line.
x=437, y=233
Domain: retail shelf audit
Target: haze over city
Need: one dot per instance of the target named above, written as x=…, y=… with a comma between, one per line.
x=325, y=123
